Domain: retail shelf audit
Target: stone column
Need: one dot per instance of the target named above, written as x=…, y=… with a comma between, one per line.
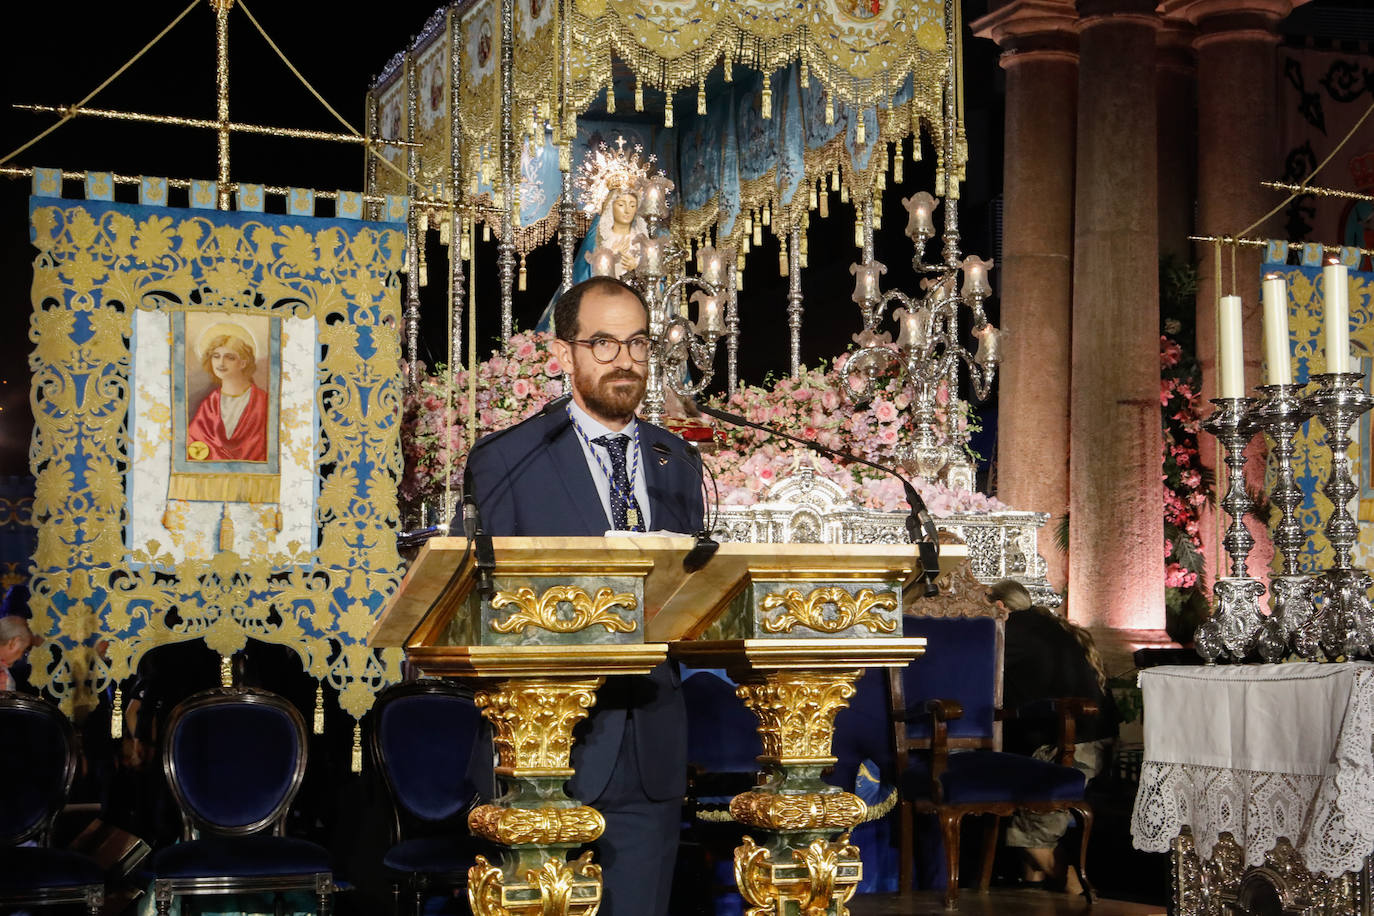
x=1116, y=562
x=1176, y=87
x=1040, y=57
x=1237, y=90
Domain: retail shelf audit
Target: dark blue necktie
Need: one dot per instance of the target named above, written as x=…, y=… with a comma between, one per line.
x=625, y=514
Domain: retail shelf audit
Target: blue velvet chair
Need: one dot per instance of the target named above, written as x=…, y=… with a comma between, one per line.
x=722, y=750
x=422, y=738
x=944, y=711
x=234, y=758
x=37, y=765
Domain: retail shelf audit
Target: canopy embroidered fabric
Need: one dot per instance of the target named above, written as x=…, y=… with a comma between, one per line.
x=1260, y=752
x=838, y=81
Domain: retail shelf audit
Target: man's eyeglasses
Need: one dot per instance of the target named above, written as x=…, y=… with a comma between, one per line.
x=607, y=349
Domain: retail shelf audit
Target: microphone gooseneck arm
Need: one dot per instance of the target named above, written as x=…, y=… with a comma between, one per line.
x=706, y=546
x=918, y=522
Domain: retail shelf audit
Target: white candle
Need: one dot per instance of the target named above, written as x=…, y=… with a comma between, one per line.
x=1231, y=378
x=602, y=261
x=1337, y=317
x=1278, y=366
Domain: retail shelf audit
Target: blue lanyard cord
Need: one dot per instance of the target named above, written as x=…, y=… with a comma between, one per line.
x=610, y=478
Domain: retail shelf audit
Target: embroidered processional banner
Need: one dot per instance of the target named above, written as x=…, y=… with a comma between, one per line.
x=16, y=530
x=1312, y=459
x=216, y=407
x=1323, y=96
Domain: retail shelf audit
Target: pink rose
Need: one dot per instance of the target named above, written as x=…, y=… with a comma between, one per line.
x=525, y=350
x=552, y=367
x=830, y=400
x=888, y=436
x=521, y=388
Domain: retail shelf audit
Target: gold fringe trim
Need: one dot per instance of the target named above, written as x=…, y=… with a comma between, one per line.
x=117, y=715
x=226, y=671
x=225, y=488
x=357, y=765
x=319, y=709
x=881, y=810
x=715, y=817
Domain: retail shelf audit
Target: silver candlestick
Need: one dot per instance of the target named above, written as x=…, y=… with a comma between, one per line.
x=1342, y=624
x=1235, y=622
x=1280, y=413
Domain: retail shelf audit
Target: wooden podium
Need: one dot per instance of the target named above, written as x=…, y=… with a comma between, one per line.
x=794, y=624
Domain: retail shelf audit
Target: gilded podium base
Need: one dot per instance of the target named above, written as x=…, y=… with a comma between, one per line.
x=803, y=863
x=534, y=696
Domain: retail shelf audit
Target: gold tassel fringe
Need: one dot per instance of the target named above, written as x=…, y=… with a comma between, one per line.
x=117, y=714
x=226, y=531
x=319, y=709
x=357, y=766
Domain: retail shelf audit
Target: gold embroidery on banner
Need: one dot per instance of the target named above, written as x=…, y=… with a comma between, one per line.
x=94, y=267
x=526, y=826
x=543, y=613
x=809, y=610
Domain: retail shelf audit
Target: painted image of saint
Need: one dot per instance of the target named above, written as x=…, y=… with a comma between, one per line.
x=230, y=422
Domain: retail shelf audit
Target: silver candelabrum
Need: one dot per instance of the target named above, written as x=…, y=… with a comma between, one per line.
x=1280, y=413
x=661, y=278
x=928, y=349
x=1234, y=626
x=1341, y=623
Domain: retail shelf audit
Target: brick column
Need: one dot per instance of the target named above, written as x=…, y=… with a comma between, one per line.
x=1116, y=562
x=1039, y=55
x=1237, y=86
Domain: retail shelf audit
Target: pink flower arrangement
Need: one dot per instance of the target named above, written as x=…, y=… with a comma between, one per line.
x=514, y=383
x=1186, y=489
x=523, y=376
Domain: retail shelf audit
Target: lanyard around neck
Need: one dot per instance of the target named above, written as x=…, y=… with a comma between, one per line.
x=631, y=470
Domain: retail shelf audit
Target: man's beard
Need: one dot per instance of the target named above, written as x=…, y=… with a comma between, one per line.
x=609, y=399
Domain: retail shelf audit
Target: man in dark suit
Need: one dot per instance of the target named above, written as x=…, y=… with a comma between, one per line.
x=584, y=469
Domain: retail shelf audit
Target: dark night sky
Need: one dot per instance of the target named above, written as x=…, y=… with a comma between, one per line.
x=56, y=57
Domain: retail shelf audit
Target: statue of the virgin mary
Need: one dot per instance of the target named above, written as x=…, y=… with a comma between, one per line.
x=609, y=183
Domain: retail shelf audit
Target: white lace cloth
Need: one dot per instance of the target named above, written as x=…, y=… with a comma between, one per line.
x=1260, y=752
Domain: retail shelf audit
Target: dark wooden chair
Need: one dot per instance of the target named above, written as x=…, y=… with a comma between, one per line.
x=945, y=719
x=234, y=758
x=37, y=766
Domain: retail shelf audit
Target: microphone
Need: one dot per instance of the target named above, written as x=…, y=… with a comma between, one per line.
x=917, y=522
x=706, y=546
x=470, y=518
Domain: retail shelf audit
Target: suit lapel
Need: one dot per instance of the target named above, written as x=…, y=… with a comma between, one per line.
x=571, y=464
x=663, y=515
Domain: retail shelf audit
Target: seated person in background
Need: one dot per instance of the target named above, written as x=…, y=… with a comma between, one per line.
x=1047, y=657
x=15, y=641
